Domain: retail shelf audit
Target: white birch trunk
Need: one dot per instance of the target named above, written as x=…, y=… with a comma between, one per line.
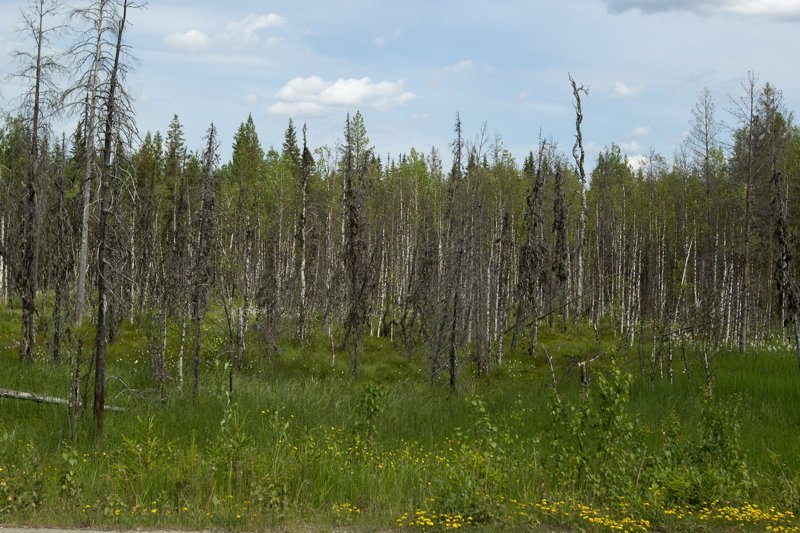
x=180, y=352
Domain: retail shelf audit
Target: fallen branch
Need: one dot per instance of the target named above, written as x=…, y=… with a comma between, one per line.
x=19, y=395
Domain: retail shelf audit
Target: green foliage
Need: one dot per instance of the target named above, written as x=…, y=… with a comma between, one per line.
x=708, y=467
x=596, y=450
x=143, y=464
x=371, y=402
x=70, y=482
x=228, y=452
x=300, y=443
x=478, y=471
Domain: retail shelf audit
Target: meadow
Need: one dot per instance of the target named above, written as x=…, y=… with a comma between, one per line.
x=302, y=444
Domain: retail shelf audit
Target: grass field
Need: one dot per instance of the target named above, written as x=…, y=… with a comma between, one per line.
x=303, y=445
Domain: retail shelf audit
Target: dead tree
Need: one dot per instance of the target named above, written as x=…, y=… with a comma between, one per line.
x=91, y=58
x=504, y=252
x=785, y=269
x=746, y=113
x=111, y=111
x=38, y=69
x=534, y=250
x=306, y=164
x=561, y=255
x=355, y=244
x=579, y=155
x=448, y=339
x=63, y=259
x=202, y=273
x=418, y=304
x=268, y=319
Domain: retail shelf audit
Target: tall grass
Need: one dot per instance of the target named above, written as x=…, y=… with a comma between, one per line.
x=302, y=442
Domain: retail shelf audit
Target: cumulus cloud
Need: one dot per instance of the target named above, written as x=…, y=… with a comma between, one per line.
x=236, y=35
x=189, y=41
x=622, y=89
x=773, y=9
x=312, y=95
x=637, y=161
x=640, y=131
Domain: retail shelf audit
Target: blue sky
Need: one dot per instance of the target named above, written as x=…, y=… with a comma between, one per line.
x=409, y=66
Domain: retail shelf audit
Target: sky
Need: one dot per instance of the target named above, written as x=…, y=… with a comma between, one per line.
x=410, y=66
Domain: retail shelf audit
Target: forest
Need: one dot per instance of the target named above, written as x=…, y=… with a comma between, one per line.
x=324, y=337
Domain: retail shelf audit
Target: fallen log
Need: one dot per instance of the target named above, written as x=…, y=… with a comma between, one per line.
x=38, y=398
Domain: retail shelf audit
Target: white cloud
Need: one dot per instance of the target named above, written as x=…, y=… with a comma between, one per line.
x=773, y=9
x=464, y=64
x=637, y=161
x=622, y=89
x=238, y=34
x=295, y=109
x=640, y=131
x=189, y=41
x=245, y=32
x=631, y=146
x=763, y=8
x=302, y=88
x=313, y=94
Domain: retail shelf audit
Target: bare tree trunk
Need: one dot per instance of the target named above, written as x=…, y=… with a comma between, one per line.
x=201, y=276
x=579, y=156
x=747, y=114
x=560, y=266
x=30, y=241
x=61, y=268
x=306, y=163
x=105, y=176
x=75, y=391
x=86, y=183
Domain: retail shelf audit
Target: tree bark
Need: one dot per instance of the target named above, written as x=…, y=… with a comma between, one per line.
x=105, y=176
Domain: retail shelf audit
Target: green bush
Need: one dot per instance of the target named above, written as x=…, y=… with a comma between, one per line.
x=707, y=467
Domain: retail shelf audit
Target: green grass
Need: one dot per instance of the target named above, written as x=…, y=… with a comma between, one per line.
x=302, y=443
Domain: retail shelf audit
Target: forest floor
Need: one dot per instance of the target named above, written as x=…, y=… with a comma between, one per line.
x=301, y=445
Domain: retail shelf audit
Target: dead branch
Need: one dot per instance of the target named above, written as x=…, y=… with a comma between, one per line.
x=38, y=398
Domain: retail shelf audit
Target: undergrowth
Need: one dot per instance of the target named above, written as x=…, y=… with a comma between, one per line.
x=301, y=443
